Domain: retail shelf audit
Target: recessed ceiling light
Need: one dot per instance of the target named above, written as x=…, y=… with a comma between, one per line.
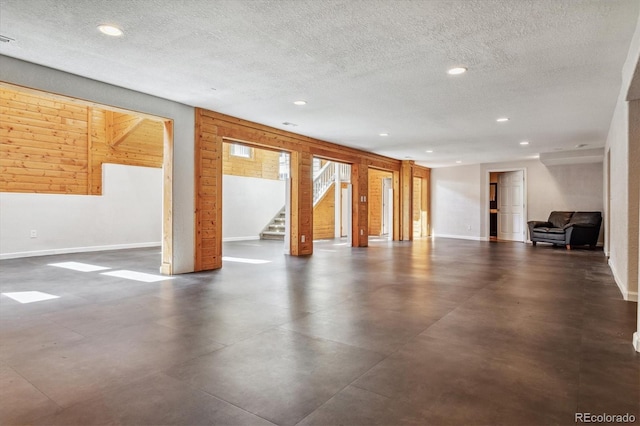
x=110, y=30
x=288, y=123
x=429, y=151
x=457, y=71
x=524, y=143
x=384, y=134
x=502, y=119
x=300, y=102
x=458, y=162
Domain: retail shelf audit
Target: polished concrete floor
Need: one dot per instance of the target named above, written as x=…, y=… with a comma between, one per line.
x=434, y=332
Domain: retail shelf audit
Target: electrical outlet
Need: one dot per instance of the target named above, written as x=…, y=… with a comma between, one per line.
x=362, y=232
x=302, y=238
x=34, y=233
x=468, y=227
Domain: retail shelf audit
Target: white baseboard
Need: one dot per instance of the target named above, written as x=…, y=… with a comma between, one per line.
x=224, y=240
x=636, y=340
x=631, y=296
x=459, y=237
x=68, y=250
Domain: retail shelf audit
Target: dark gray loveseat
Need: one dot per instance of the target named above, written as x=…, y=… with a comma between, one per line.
x=567, y=229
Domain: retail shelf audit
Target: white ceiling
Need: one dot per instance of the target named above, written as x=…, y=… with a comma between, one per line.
x=364, y=67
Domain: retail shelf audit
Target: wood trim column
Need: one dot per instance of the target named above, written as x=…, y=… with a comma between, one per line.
x=406, y=200
x=360, y=204
x=301, y=203
x=166, y=266
x=208, y=203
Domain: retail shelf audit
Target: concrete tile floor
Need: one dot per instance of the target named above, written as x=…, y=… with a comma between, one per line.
x=433, y=332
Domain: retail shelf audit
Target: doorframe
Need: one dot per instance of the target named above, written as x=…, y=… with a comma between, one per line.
x=485, y=200
x=288, y=187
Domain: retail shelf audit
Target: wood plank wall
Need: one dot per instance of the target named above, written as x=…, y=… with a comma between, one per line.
x=324, y=215
x=141, y=147
x=264, y=164
x=424, y=174
x=375, y=200
x=43, y=144
x=48, y=145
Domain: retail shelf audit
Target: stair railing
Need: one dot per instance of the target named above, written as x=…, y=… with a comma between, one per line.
x=323, y=180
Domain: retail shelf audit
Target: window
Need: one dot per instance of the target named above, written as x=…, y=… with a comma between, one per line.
x=238, y=150
x=284, y=166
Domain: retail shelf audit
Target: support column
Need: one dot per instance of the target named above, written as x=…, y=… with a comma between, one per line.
x=301, y=204
x=208, y=203
x=406, y=200
x=360, y=212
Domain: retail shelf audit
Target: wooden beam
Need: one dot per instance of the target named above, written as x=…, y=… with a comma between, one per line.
x=119, y=135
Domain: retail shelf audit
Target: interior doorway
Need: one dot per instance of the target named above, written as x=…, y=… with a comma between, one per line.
x=256, y=196
x=135, y=148
x=387, y=208
x=506, y=205
x=332, y=195
x=381, y=204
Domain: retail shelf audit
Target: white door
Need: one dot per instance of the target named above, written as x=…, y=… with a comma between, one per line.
x=511, y=206
x=346, y=213
x=387, y=207
x=347, y=195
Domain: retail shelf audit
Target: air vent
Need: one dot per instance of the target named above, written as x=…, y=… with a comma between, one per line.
x=5, y=39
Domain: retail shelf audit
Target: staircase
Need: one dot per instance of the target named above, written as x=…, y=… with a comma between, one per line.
x=275, y=229
x=323, y=180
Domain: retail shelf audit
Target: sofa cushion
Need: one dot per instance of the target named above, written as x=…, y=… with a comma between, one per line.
x=560, y=219
x=586, y=218
x=548, y=236
x=549, y=230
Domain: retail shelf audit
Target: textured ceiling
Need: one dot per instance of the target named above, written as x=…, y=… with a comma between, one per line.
x=364, y=67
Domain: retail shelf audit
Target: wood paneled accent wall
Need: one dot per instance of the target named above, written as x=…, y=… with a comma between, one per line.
x=213, y=128
x=264, y=164
x=424, y=174
x=43, y=144
x=375, y=200
x=324, y=215
x=48, y=145
x=119, y=138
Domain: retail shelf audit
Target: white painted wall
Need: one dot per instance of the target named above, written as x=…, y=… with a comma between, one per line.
x=568, y=187
x=461, y=194
x=456, y=194
x=38, y=77
x=128, y=214
x=623, y=145
x=248, y=205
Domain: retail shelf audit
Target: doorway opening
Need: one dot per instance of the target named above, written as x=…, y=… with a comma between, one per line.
x=73, y=150
x=256, y=199
x=381, y=205
x=332, y=198
x=506, y=205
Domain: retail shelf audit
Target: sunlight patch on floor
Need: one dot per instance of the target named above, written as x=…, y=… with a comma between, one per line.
x=137, y=276
x=77, y=266
x=243, y=260
x=30, y=296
